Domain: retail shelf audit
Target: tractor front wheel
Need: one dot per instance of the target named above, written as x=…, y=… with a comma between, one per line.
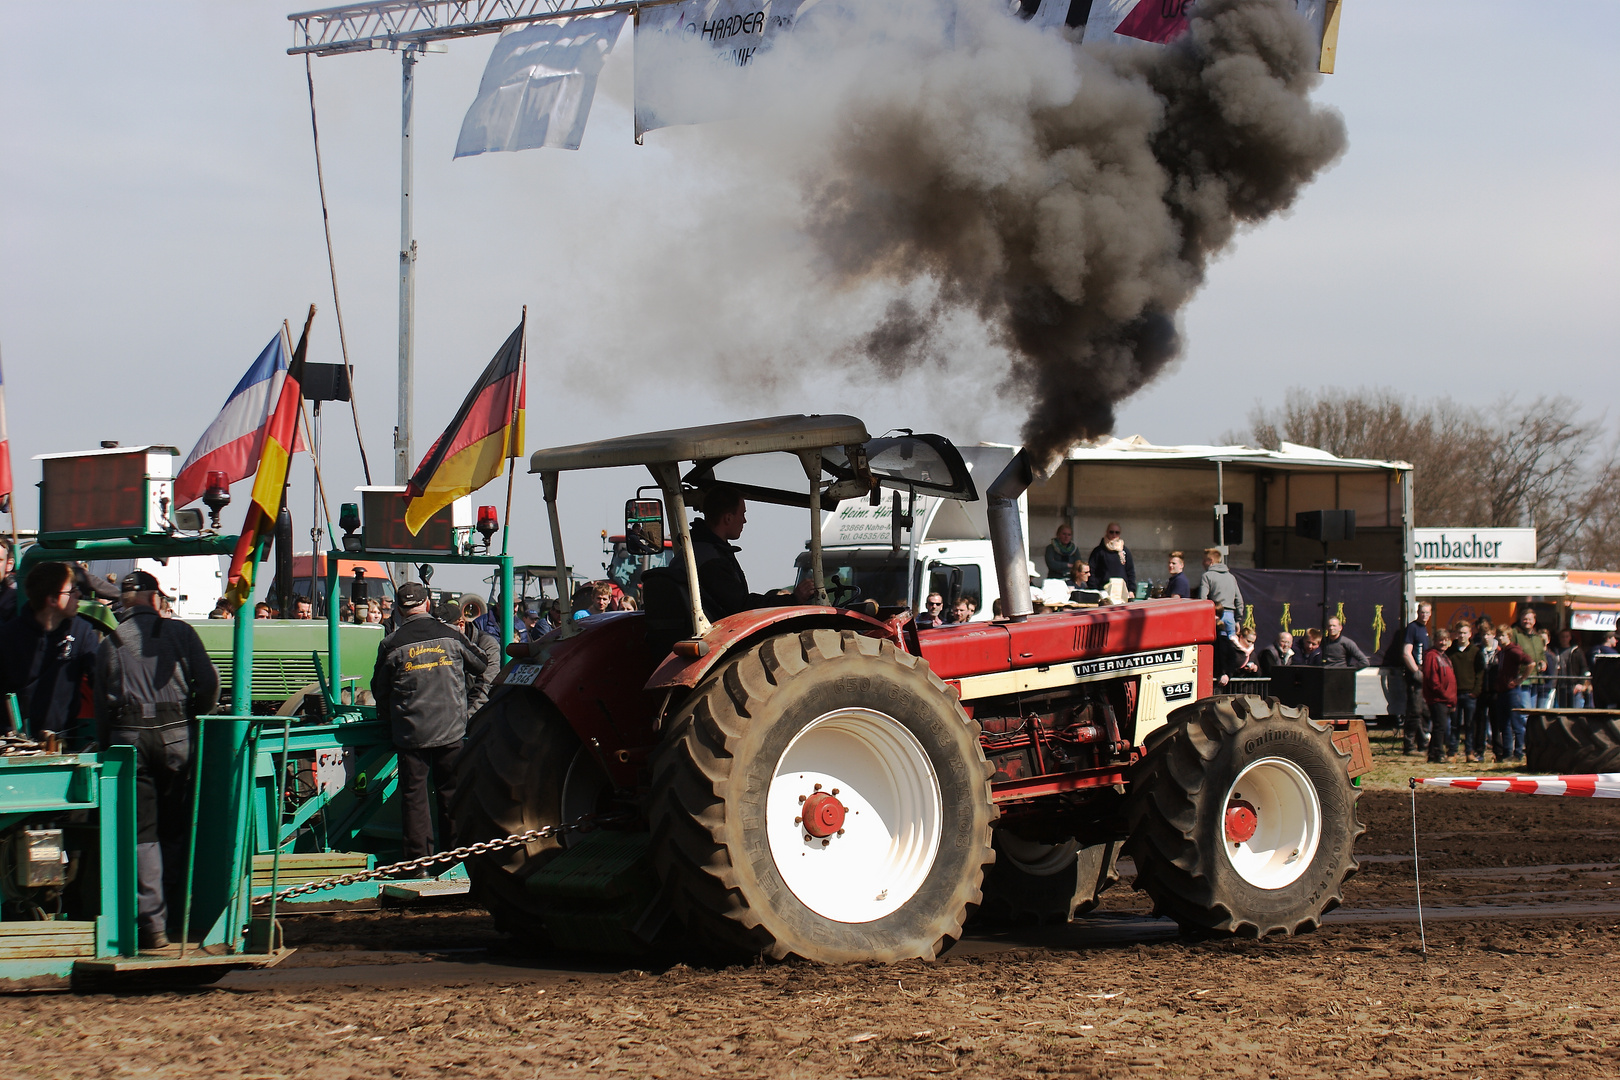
x=1243, y=819
x=823, y=795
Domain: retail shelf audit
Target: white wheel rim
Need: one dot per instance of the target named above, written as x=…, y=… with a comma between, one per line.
x=1288, y=823
x=1035, y=858
x=892, y=823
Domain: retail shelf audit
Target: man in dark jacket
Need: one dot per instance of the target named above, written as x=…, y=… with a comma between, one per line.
x=1176, y=583
x=1513, y=666
x=1279, y=655
x=1468, y=664
x=1338, y=650
x=48, y=652
x=1575, y=691
x=489, y=647
x=1109, y=560
x=720, y=575
x=8, y=583
x=153, y=679
x=425, y=675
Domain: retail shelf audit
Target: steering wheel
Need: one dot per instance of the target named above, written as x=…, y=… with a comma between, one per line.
x=840, y=594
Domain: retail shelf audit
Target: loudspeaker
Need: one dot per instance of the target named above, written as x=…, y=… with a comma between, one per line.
x=1328, y=526
x=1329, y=693
x=325, y=382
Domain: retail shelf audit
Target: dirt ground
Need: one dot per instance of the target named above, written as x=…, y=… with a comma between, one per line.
x=1521, y=913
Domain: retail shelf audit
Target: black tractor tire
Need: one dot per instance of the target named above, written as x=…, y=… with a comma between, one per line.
x=1177, y=809
x=1051, y=883
x=511, y=778
x=1569, y=745
x=712, y=783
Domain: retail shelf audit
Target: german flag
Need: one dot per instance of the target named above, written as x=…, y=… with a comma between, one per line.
x=270, y=483
x=487, y=430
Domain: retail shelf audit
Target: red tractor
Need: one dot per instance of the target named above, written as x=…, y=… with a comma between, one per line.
x=830, y=781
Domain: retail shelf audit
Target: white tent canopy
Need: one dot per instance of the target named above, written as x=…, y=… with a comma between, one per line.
x=1510, y=585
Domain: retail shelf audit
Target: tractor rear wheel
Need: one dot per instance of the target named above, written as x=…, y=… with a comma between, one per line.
x=1567, y=745
x=823, y=795
x=1032, y=882
x=523, y=768
x=1243, y=819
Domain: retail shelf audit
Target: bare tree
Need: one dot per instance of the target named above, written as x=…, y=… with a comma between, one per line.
x=1510, y=465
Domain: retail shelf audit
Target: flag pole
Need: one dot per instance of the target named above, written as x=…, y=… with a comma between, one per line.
x=512, y=432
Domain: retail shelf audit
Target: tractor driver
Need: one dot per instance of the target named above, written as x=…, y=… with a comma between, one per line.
x=720, y=575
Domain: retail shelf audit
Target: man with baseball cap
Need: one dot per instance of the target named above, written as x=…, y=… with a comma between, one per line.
x=425, y=675
x=153, y=679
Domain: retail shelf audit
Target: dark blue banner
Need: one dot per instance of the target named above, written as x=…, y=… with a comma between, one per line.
x=1291, y=600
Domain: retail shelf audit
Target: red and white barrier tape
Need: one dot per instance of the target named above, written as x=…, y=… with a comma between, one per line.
x=1591, y=785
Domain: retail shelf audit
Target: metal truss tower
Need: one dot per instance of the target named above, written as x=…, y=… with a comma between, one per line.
x=412, y=28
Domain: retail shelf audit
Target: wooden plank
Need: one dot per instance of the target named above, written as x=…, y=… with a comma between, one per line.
x=26, y=941
x=45, y=952
x=47, y=926
x=127, y=964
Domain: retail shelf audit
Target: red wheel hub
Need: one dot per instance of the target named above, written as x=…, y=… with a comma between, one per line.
x=1241, y=821
x=823, y=814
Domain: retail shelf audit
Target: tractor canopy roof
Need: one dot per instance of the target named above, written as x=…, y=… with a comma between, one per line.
x=711, y=442
x=926, y=464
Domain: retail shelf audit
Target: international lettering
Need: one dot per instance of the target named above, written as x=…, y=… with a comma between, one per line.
x=1128, y=663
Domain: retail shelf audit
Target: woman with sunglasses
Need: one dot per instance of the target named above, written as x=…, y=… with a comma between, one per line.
x=1110, y=561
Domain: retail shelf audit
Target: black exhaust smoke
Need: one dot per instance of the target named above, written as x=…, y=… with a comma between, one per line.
x=1075, y=219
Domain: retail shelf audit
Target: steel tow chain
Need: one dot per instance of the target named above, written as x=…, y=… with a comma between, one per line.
x=483, y=847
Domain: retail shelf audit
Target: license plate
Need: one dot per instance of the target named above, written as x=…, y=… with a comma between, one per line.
x=522, y=675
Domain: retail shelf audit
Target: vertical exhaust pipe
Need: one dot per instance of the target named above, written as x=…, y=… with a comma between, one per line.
x=1007, y=537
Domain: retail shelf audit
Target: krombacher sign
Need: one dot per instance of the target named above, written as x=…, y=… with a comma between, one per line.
x=1462, y=547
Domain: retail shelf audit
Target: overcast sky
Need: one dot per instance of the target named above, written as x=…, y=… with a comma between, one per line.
x=159, y=218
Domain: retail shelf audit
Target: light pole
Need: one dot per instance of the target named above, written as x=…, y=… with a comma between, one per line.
x=407, y=268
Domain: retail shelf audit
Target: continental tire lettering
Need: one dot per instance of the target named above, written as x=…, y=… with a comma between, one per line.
x=1274, y=735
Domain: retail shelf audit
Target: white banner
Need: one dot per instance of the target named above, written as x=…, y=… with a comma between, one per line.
x=691, y=57
x=1457, y=547
x=538, y=85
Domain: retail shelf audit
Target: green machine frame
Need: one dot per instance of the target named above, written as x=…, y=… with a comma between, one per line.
x=257, y=835
x=91, y=797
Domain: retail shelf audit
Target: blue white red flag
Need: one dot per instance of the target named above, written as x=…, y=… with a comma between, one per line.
x=235, y=439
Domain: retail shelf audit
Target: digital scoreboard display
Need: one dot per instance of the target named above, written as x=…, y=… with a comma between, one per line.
x=105, y=493
x=384, y=529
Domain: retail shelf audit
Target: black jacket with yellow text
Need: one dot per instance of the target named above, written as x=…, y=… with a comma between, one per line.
x=426, y=674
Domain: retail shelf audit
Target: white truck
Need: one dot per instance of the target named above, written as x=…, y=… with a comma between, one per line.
x=945, y=549
x=195, y=582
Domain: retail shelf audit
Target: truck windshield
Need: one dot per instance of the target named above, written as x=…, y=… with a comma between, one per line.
x=878, y=577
